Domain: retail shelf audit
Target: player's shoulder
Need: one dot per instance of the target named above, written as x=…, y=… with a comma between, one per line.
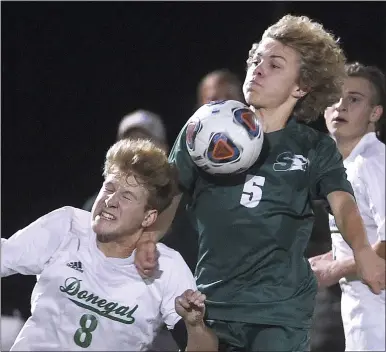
x=78, y=220
x=374, y=150
x=310, y=134
x=169, y=256
x=176, y=271
x=371, y=157
x=73, y=214
x=167, y=252
x=310, y=139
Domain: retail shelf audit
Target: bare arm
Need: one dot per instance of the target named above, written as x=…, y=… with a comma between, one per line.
x=366, y=263
x=348, y=267
x=146, y=256
x=325, y=256
x=191, y=307
x=329, y=271
x=348, y=220
x=201, y=338
x=157, y=231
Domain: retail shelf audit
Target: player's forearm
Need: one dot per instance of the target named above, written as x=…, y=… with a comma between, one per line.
x=201, y=338
x=344, y=268
x=349, y=222
x=347, y=267
x=352, y=230
x=325, y=256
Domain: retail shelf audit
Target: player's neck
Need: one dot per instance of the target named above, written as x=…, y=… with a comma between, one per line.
x=273, y=119
x=347, y=145
x=121, y=247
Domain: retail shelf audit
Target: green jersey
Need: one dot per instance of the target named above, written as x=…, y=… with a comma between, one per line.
x=254, y=227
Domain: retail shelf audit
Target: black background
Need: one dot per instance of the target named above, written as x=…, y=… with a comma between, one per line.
x=71, y=70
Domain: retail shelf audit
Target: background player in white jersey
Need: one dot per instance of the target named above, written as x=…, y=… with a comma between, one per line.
x=88, y=293
x=353, y=123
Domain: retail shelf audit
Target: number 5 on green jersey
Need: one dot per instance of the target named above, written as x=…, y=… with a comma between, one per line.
x=252, y=191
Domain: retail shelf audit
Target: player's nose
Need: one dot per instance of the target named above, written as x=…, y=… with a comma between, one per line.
x=111, y=201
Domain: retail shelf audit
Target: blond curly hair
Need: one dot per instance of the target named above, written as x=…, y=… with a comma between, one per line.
x=322, y=62
x=149, y=165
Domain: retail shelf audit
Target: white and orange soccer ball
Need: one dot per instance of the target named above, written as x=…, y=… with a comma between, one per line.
x=224, y=137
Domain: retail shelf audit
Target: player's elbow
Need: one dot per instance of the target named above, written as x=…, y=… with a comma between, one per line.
x=342, y=204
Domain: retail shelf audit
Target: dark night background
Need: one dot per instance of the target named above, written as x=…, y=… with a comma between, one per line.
x=71, y=70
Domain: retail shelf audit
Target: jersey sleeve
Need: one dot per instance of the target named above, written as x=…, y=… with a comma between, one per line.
x=180, y=280
x=28, y=250
x=370, y=189
x=187, y=169
x=328, y=173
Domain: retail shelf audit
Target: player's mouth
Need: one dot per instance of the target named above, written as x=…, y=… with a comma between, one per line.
x=253, y=83
x=107, y=216
x=339, y=119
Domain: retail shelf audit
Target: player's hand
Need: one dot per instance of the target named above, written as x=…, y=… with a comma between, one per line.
x=146, y=258
x=312, y=260
x=326, y=256
x=324, y=271
x=191, y=307
x=371, y=269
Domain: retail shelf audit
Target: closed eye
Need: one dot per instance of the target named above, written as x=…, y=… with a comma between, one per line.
x=129, y=196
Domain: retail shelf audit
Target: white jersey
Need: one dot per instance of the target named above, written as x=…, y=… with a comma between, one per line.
x=10, y=327
x=363, y=312
x=84, y=300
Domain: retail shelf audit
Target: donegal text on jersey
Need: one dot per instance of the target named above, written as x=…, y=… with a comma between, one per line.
x=90, y=301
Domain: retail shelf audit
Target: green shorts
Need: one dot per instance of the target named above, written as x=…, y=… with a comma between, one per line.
x=236, y=336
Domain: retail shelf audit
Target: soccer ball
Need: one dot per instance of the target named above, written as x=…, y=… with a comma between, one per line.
x=224, y=137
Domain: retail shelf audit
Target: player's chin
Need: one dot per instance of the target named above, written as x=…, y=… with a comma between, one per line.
x=338, y=132
x=331, y=130
x=247, y=93
x=103, y=228
x=252, y=99
x=105, y=237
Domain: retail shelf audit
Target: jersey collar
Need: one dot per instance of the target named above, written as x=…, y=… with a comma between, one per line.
x=366, y=140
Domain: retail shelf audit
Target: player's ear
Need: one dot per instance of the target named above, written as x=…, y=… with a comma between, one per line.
x=299, y=92
x=150, y=218
x=376, y=113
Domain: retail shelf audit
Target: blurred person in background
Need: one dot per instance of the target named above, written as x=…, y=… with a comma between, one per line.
x=139, y=124
x=354, y=122
x=220, y=84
